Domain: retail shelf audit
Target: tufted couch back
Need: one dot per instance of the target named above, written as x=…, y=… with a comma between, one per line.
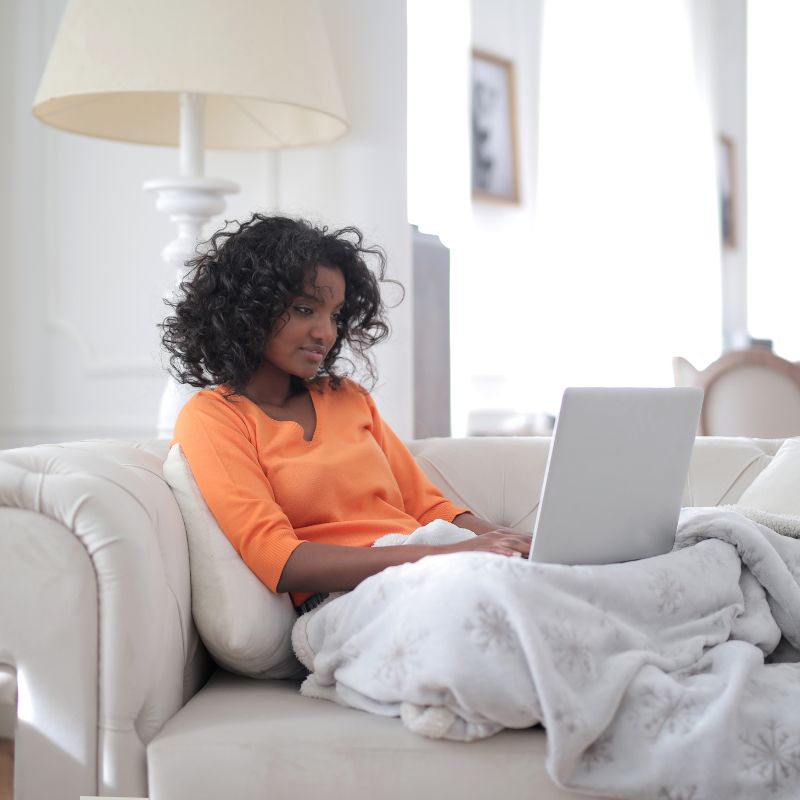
x=501, y=478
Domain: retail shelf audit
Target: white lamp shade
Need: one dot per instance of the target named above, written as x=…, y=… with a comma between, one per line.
x=264, y=66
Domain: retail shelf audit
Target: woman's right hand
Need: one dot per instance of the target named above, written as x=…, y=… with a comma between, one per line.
x=504, y=542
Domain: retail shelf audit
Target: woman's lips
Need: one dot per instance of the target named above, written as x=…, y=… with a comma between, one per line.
x=314, y=355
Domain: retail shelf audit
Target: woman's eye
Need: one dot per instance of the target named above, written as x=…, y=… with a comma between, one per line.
x=304, y=310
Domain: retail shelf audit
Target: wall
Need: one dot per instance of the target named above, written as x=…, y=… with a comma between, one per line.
x=361, y=179
x=492, y=265
x=82, y=276
x=7, y=343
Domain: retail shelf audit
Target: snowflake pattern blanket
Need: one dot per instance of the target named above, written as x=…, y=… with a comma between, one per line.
x=650, y=676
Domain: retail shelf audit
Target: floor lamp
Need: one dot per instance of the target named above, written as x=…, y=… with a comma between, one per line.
x=227, y=74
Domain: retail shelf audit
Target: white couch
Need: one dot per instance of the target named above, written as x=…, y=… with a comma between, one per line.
x=99, y=651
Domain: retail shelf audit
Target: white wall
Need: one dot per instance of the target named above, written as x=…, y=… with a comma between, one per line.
x=8, y=343
x=82, y=275
x=361, y=179
x=493, y=265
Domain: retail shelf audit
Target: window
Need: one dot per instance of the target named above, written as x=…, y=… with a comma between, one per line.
x=773, y=155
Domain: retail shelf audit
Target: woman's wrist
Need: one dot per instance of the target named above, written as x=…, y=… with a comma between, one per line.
x=472, y=523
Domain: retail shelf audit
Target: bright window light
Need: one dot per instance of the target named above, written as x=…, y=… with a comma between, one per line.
x=628, y=258
x=773, y=175
x=438, y=103
x=612, y=264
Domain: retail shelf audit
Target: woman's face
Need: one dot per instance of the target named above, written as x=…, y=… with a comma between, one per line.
x=303, y=336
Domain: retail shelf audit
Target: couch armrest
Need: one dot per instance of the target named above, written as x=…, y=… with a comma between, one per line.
x=95, y=614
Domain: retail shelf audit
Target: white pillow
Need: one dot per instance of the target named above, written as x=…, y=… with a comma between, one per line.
x=246, y=627
x=777, y=488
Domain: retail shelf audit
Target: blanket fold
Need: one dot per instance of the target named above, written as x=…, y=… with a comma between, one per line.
x=649, y=676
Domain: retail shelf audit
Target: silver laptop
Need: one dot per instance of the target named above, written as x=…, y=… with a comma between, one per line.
x=615, y=475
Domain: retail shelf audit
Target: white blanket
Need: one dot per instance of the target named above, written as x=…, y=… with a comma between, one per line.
x=649, y=676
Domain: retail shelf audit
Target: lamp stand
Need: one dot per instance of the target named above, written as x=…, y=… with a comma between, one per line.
x=190, y=200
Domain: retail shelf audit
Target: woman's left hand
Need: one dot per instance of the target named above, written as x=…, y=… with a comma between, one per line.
x=482, y=526
x=502, y=529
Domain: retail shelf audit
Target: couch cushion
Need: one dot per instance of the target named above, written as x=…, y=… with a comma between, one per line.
x=252, y=739
x=245, y=626
x=777, y=488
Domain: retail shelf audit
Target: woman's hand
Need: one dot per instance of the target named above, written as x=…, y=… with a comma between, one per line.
x=491, y=538
x=503, y=541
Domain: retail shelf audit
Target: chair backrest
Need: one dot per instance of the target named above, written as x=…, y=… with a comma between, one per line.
x=747, y=393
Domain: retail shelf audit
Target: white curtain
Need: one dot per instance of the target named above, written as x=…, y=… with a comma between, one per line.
x=438, y=36
x=773, y=122
x=627, y=261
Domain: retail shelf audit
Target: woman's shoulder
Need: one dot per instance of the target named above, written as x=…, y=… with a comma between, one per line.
x=215, y=406
x=345, y=390
x=204, y=400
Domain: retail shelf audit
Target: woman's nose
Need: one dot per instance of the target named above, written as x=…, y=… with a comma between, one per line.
x=324, y=331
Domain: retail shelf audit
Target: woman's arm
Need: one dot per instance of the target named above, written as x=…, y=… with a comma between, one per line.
x=225, y=464
x=316, y=567
x=481, y=526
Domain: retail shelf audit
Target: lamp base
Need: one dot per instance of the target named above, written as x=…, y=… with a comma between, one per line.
x=190, y=204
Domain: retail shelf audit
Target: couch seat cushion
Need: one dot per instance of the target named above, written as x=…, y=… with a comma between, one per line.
x=249, y=739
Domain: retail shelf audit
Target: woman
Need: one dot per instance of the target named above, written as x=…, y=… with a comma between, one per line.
x=294, y=460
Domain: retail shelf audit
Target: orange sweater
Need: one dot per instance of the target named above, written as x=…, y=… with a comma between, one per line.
x=269, y=489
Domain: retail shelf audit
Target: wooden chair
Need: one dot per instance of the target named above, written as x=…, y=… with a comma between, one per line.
x=747, y=393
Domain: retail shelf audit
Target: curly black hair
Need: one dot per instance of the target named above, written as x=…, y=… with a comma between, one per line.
x=244, y=281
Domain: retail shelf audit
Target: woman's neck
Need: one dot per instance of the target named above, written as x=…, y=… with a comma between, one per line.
x=270, y=390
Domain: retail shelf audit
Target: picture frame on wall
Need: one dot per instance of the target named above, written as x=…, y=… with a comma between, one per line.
x=726, y=182
x=495, y=169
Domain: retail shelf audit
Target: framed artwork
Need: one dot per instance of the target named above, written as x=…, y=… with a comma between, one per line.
x=726, y=179
x=494, y=136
